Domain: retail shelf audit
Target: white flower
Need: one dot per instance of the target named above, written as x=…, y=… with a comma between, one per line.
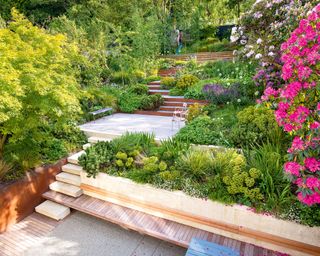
x=258, y=56
x=271, y=54
x=271, y=47
x=259, y=41
x=235, y=52
x=256, y=93
x=228, y=102
x=249, y=54
x=238, y=100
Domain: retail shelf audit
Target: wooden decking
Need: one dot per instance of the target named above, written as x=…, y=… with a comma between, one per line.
x=166, y=230
x=23, y=235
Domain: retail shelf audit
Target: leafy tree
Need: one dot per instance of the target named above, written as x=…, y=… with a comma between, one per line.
x=38, y=88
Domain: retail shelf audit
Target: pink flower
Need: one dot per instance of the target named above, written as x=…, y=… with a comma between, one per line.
x=315, y=125
x=300, y=115
x=271, y=92
x=304, y=72
x=312, y=182
x=309, y=199
x=312, y=164
x=288, y=127
x=297, y=144
x=293, y=168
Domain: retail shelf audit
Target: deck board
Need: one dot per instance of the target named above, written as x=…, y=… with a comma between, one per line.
x=157, y=227
x=25, y=234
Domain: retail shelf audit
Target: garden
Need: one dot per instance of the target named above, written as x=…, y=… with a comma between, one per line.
x=255, y=141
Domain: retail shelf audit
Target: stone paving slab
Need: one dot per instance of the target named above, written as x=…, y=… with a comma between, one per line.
x=120, y=123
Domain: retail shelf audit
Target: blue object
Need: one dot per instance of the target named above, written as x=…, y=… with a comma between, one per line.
x=178, y=51
x=200, y=247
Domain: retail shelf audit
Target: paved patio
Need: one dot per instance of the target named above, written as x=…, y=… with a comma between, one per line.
x=119, y=123
x=81, y=235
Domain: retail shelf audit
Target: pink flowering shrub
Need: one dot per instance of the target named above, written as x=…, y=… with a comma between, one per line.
x=298, y=106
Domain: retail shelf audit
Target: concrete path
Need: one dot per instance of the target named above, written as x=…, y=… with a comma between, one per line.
x=118, y=124
x=83, y=235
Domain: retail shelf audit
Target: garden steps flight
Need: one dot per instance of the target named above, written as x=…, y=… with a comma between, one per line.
x=53, y=210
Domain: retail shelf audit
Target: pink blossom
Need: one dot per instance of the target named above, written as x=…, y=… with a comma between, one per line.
x=288, y=127
x=304, y=72
x=297, y=143
x=293, y=168
x=312, y=182
x=312, y=164
x=309, y=199
x=315, y=125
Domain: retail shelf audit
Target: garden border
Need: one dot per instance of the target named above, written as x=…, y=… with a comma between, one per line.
x=18, y=199
x=235, y=221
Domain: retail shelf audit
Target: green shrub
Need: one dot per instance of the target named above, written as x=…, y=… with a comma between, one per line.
x=151, y=102
x=196, y=162
x=255, y=125
x=194, y=111
x=133, y=143
x=121, y=77
x=151, y=79
x=128, y=102
x=97, y=158
x=177, y=91
x=168, y=82
x=139, y=89
x=139, y=75
x=204, y=130
x=186, y=81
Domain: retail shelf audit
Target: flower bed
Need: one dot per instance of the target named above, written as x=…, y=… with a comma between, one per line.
x=235, y=221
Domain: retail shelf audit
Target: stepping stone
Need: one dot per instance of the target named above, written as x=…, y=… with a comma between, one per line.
x=72, y=168
x=69, y=178
x=94, y=139
x=74, y=158
x=53, y=210
x=66, y=189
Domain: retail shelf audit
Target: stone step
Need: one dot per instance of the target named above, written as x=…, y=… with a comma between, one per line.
x=69, y=178
x=72, y=169
x=66, y=189
x=162, y=92
x=94, y=139
x=53, y=210
x=177, y=104
x=85, y=146
x=74, y=158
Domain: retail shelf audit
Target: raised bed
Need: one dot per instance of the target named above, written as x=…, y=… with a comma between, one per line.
x=17, y=200
x=235, y=221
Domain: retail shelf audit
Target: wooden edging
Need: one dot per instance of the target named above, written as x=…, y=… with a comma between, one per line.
x=239, y=230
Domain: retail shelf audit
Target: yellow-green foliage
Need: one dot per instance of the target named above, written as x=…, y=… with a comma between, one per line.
x=194, y=111
x=150, y=164
x=187, y=81
x=170, y=175
x=237, y=179
x=38, y=85
x=123, y=160
x=168, y=81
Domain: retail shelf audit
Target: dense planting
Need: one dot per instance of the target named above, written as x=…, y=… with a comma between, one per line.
x=255, y=179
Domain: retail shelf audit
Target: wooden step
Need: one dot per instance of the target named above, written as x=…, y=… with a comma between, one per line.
x=162, y=92
x=178, y=104
x=168, y=108
x=154, y=87
x=154, y=83
x=53, y=210
x=66, y=189
x=154, y=113
x=72, y=169
x=163, y=229
x=74, y=158
x=182, y=99
x=69, y=178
